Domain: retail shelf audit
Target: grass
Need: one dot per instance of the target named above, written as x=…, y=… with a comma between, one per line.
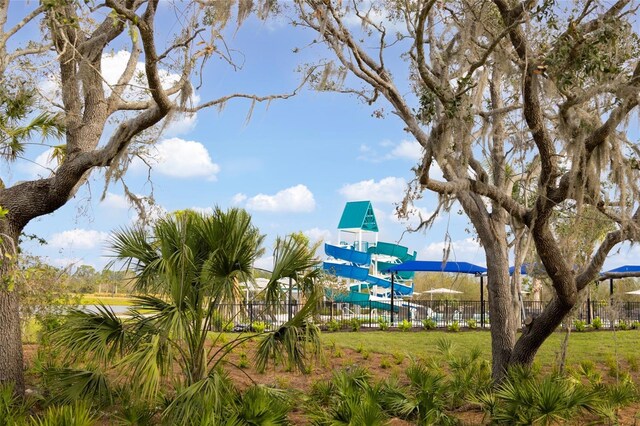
x=594, y=346
x=94, y=299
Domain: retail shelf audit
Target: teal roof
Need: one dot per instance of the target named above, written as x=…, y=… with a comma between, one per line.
x=358, y=215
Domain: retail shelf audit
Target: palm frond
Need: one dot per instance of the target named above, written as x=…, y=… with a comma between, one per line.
x=294, y=259
x=292, y=342
x=148, y=364
x=69, y=385
x=203, y=400
x=101, y=334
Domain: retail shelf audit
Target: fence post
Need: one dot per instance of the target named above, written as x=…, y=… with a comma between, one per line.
x=446, y=313
x=370, y=314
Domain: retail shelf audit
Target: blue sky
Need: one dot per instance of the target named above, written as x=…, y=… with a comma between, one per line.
x=293, y=165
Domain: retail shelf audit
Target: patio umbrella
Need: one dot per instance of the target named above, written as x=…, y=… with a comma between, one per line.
x=441, y=291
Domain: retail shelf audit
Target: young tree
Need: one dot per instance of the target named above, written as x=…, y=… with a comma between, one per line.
x=100, y=125
x=505, y=97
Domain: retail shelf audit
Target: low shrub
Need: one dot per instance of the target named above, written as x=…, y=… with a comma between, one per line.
x=579, y=325
x=383, y=323
x=385, y=363
x=596, y=323
x=429, y=324
x=405, y=325
x=333, y=325
x=454, y=326
x=398, y=357
x=622, y=325
x=355, y=324
x=259, y=326
x=635, y=325
x=472, y=324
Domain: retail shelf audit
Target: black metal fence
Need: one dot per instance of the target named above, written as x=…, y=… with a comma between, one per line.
x=414, y=313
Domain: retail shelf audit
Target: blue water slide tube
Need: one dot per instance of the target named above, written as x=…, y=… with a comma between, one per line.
x=398, y=288
x=348, y=254
x=346, y=271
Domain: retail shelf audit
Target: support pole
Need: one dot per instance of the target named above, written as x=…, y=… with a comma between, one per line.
x=289, y=312
x=611, y=287
x=392, y=292
x=482, y=301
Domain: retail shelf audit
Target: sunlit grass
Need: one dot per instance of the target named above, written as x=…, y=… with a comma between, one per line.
x=94, y=299
x=594, y=346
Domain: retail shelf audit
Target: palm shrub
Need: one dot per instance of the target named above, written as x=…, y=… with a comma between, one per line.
x=78, y=414
x=188, y=268
x=13, y=409
x=550, y=400
x=424, y=401
x=596, y=323
x=350, y=398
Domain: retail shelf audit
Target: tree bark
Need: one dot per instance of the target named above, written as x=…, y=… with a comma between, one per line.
x=11, y=359
x=502, y=314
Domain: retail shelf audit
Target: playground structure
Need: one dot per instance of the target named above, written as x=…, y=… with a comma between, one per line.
x=362, y=262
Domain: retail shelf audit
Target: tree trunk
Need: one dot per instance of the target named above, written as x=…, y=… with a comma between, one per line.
x=11, y=360
x=502, y=315
x=11, y=368
x=534, y=335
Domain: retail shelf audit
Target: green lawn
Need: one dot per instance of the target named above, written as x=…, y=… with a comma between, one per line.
x=94, y=299
x=597, y=346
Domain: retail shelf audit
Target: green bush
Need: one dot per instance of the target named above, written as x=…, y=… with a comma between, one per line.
x=13, y=409
x=635, y=325
x=333, y=325
x=78, y=414
x=228, y=327
x=405, y=325
x=454, y=326
x=383, y=323
x=472, y=324
x=355, y=324
x=429, y=324
x=596, y=323
x=622, y=325
x=579, y=325
x=385, y=363
x=244, y=361
x=259, y=326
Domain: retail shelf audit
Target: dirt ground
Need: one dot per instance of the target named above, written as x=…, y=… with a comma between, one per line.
x=380, y=366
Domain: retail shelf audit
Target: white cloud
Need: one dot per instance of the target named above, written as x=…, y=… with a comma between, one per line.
x=265, y=263
x=377, y=16
x=386, y=150
x=297, y=199
x=317, y=234
x=179, y=158
x=466, y=250
x=389, y=189
x=65, y=262
x=409, y=150
x=43, y=165
x=238, y=199
x=115, y=201
x=203, y=210
x=78, y=239
x=415, y=215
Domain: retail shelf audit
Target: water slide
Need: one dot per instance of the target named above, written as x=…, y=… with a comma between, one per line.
x=358, y=268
